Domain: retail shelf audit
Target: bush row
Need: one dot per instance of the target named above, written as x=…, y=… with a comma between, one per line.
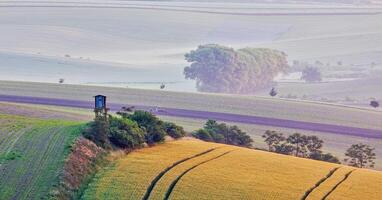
x=222, y=133
x=131, y=130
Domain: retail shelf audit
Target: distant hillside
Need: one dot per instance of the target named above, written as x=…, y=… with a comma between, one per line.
x=190, y=169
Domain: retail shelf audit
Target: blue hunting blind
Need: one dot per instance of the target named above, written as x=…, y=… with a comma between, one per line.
x=100, y=106
x=100, y=102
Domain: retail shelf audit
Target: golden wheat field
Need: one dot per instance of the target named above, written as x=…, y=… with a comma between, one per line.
x=192, y=169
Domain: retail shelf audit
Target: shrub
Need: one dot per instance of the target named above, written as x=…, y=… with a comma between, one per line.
x=174, y=130
x=98, y=131
x=324, y=157
x=221, y=133
x=203, y=135
x=153, y=127
x=126, y=133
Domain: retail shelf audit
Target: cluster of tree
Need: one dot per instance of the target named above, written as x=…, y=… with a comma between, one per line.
x=131, y=130
x=222, y=133
x=360, y=155
x=298, y=145
x=310, y=71
x=311, y=74
x=222, y=69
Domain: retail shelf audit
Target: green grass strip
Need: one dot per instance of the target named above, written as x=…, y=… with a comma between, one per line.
x=173, y=184
x=162, y=173
x=331, y=172
x=339, y=183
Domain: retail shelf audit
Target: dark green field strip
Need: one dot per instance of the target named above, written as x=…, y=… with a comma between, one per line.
x=338, y=184
x=162, y=173
x=49, y=157
x=9, y=134
x=173, y=184
x=43, y=150
x=331, y=172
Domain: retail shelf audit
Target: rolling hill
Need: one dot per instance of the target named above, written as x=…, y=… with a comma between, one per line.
x=304, y=111
x=191, y=169
x=155, y=35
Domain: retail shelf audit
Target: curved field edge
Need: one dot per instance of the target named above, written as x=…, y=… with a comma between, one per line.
x=241, y=174
x=41, y=147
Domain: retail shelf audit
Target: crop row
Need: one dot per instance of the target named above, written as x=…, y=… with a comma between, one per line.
x=189, y=169
x=163, y=186
x=131, y=176
x=42, y=148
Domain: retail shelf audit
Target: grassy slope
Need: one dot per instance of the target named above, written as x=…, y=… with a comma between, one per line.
x=221, y=174
x=248, y=105
x=41, y=146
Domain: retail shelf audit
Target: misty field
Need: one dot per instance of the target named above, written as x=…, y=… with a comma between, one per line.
x=172, y=171
x=32, y=153
x=140, y=41
x=237, y=104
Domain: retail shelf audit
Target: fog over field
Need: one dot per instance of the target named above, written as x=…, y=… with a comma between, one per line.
x=142, y=43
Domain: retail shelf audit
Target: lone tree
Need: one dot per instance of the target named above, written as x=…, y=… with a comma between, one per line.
x=374, y=104
x=311, y=74
x=61, y=80
x=360, y=155
x=273, y=92
x=222, y=69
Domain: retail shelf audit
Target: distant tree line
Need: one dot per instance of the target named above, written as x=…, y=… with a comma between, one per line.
x=358, y=155
x=297, y=145
x=222, y=69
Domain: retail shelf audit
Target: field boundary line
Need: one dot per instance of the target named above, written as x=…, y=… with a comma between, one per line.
x=173, y=184
x=338, y=184
x=310, y=190
x=162, y=173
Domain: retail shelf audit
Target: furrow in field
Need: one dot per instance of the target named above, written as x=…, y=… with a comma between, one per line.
x=308, y=192
x=173, y=184
x=42, y=146
x=32, y=147
x=159, y=191
x=162, y=173
x=321, y=190
x=130, y=176
x=362, y=184
x=338, y=184
x=55, y=140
